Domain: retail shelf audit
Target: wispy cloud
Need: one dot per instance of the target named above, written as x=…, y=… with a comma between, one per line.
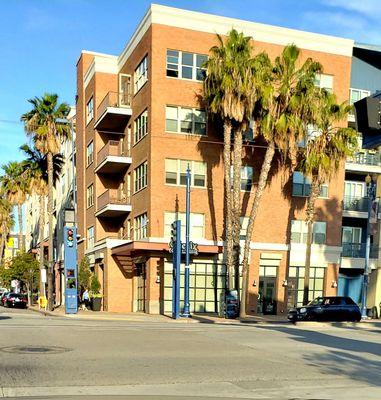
x=368, y=8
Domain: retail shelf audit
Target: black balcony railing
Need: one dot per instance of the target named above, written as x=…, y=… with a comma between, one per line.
x=355, y=203
x=357, y=250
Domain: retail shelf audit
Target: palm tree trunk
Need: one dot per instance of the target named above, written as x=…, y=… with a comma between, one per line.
x=315, y=190
x=41, y=234
x=50, y=248
x=253, y=214
x=21, y=241
x=4, y=234
x=228, y=204
x=236, y=206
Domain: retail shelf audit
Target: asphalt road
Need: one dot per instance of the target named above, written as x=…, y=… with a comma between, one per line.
x=54, y=357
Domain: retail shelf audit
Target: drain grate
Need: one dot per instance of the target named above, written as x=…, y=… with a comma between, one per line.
x=34, y=349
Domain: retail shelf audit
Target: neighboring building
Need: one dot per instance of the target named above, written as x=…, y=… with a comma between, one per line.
x=139, y=124
x=63, y=212
x=365, y=81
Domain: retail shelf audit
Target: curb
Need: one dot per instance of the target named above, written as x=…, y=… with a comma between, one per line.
x=43, y=312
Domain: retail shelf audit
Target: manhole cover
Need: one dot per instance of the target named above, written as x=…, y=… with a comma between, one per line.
x=35, y=349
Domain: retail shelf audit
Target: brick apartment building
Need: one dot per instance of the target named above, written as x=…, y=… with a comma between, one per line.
x=140, y=122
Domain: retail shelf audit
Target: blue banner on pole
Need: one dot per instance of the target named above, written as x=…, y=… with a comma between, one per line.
x=70, y=269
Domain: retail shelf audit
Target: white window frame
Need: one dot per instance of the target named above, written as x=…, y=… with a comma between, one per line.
x=90, y=153
x=300, y=227
x=141, y=74
x=90, y=110
x=246, y=177
x=363, y=93
x=141, y=126
x=90, y=195
x=140, y=177
x=194, y=111
x=192, y=165
x=140, y=226
x=90, y=237
x=195, y=226
x=321, y=81
x=170, y=64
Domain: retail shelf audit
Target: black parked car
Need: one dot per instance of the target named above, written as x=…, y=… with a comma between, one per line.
x=16, y=300
x=327, y=309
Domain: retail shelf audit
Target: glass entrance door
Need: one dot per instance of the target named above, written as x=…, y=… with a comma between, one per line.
x=141, y=288
x=266, y=295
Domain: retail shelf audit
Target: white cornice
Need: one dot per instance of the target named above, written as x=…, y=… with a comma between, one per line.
x=170, y=16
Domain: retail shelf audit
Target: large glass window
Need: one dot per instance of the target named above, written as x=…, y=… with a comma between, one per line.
x=141, y=126
x=140, y=173
x=185, y=65
x=141, y=74
x=299, y=232
x=246, y=177
x=175, y=172
x=296, y=284
x=185, y=120
x=356, y=95
x=140, y=226
x=324, y=81
x=196, y=229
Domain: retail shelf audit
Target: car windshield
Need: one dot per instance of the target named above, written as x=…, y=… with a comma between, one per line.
x=316, y=302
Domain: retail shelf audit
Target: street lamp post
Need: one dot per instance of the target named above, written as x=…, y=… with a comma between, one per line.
x=370, y=187
x=186, y=312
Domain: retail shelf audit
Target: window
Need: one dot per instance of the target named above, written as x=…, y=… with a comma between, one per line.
x=312, y=132
x=301, y=186
x=299, y=232
x=140, y=177
x=90, y=237
x=185, y=120
x=296, y=285
x=324, y=81
x=140, y=226
x=141, y=126
x=176, y=170
x=90, y=110
x=90, y=153
x=244, y=223
x=184, y=65
x=196, y=228
x=141, y=74
x=246, y=177
x=90, y=196
x=356, y=95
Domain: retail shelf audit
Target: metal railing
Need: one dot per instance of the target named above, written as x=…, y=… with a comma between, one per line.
x=351, y=203
x=114, y=99
x=357, y=250
x=111, y=148
x=366, y=157
x=113, y=196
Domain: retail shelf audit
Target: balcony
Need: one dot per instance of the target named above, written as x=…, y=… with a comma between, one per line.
x=364, y=161
x=359, y=204
x=112, y=158
x=357, y=250
x=113, y=203
x=113, y=112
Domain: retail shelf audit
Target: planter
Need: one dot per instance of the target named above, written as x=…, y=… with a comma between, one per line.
x=96, y=303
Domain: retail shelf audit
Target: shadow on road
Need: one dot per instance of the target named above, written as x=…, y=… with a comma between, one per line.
x=340, y=359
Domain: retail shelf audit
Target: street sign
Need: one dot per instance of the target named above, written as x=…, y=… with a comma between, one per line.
x=193, y=248
x=43, y=275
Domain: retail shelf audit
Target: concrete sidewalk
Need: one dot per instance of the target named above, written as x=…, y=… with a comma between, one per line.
x=199, y=318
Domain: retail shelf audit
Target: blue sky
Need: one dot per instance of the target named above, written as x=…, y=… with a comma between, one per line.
x=40, y=40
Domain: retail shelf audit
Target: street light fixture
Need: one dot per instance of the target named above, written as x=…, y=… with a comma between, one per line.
x=371, y=194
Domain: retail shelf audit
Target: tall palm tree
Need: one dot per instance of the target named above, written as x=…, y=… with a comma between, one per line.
x=229, y=95
x=16, y=188
x=36, y=166
x=325, y=151
x=6, y=221
x=42, y=124
x=282, y=113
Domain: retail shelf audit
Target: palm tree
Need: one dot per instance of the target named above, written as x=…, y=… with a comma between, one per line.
x=283, y=110
x=42, y=124
x=6, y=221
x=325, y=151
x=36, y=166
x=16, y=188
x=229, y=95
